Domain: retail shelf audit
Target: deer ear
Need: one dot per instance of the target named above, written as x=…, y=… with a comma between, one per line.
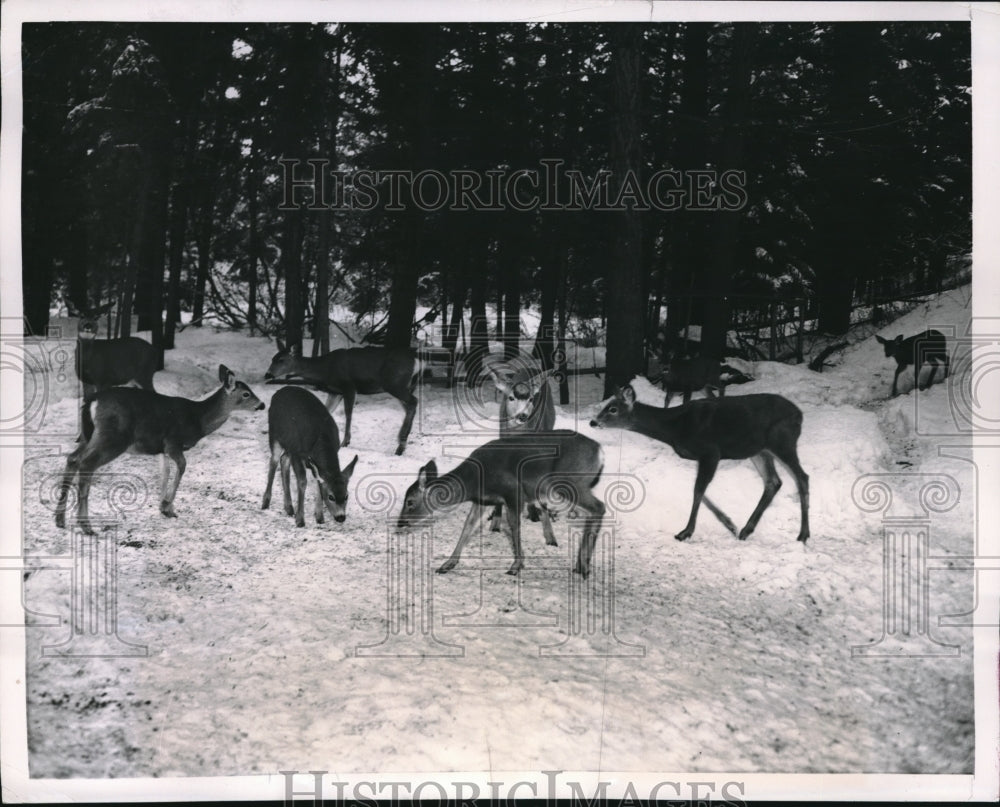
x=281, y=345
x=498, y=382
x=898, y=339
x=227, y=377
x=880, y=340
x=427, y=474
x=349, y=470
x=628, y=396
x=296, y=351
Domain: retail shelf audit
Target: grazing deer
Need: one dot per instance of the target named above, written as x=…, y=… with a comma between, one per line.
x=143, y=422
x=759, y=427
x=513, y=472
x=929, y=346
x=689, y=375
x=104, y=363
x=346, y=372
x=302, y=434
x=525, y=408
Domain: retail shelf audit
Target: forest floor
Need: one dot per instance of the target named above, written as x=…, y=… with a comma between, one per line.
x=270, y=647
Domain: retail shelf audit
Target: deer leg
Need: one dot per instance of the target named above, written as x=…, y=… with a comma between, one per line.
x=706, y=470
x=764, y=464
x=789, y=458
x=472, y=522
x=410, y=404
x=286, y=484
x=723, y=518
x=300, y=502
x=514, y=520
x=320, y=518
x=349, y=396
x=93, y=457
x=72, y=467
x=272, y=466
x=895, y=378
x=550, y=537
x=167, y=503
x=495, y=518
x=592, y=526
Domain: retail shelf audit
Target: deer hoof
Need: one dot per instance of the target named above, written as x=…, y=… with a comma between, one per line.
x=446, y=567
x=289, y=510
x=400, y=449
x=744, y=534
x=803, y=536
x=320, y=520
x=61, y=520
x=683, y=535
x=167, y=509
x=86, y=527
x=584, y=573
x=515, y=569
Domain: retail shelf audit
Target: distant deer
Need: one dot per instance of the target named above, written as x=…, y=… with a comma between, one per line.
x=346, y=372
x=513, y=472
x=526, y=407
x=929, y=346
x=690, y=375
x=759, y=427
x=104, y=363
x=142, y=422
x=302, y=434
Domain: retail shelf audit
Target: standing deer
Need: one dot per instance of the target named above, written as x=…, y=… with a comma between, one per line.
x=929, y=346
x=346, y=372
x=513, y=473
x=142, y=422
x=759, y=427
x=689, y=375
x=525, y=408
x=302, y=433
x=104, y=363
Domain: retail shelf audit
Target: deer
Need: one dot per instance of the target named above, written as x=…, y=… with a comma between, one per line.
x=526, y=407
x=761, y=427
x=104, y=363
x=689, y=375
x=544, y=470
x=302, y=434
x=929, y=346
x=124, y=419
x=343, y=373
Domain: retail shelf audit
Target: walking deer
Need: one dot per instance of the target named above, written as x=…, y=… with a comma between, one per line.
x=525, y=408
x=929, y=346
x=142, y=422
x=346, y=372
x=513, y=472
x=760, y=427
x=104, y=363
x=302, y=434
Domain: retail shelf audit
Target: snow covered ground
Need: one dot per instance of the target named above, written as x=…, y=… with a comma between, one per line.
x=706, y=655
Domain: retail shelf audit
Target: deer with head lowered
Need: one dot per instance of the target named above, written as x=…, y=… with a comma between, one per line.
x=525, y=408
x=513, y=472
x=346, y=372
x=929, y=346
x=759, y=427
x=104, y=363
x=142, y=422
x=302, y=434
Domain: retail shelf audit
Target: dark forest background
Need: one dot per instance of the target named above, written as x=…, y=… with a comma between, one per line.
x=152, y=177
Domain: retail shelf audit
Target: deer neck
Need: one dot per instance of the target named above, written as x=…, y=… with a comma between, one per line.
x=460, y=484
x=213, y=411
x=653, y=421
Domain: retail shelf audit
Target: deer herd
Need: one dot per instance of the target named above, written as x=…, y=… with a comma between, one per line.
x=531, y=465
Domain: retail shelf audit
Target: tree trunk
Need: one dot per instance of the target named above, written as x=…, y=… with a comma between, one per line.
x=204, y=262
x=625, y=304
x=291, y=269
x=178, y=230
x=253, y=247
x=725, y=254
